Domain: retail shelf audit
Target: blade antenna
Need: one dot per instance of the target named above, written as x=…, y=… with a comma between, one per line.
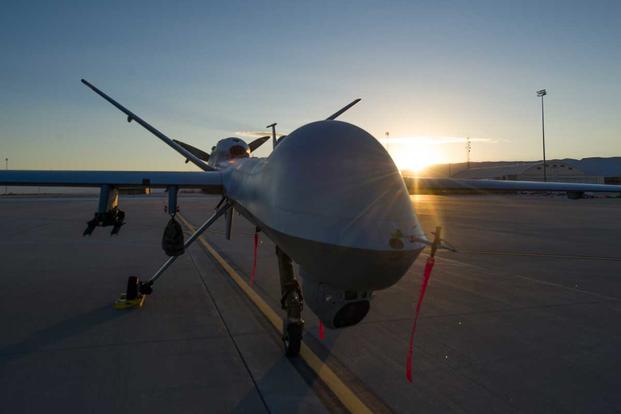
x=343, y=109
x=133, y=117
x=274, y=141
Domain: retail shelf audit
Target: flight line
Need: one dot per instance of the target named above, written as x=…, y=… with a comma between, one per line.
x=349, y=399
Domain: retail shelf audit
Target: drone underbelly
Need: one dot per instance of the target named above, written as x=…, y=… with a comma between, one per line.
x=346, y=267
x=364, y=267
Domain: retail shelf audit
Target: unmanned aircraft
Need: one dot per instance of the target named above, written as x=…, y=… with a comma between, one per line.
x=329, y=196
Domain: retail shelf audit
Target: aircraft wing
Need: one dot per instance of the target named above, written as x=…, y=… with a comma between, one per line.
x=210, y=181
x=416, y=185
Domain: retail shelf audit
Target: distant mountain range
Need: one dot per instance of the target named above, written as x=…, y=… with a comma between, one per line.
x=592, y=166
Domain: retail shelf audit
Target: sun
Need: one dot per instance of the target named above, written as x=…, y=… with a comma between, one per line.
x=414, y=156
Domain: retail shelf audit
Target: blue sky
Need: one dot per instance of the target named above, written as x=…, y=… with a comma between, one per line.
x=200, y=71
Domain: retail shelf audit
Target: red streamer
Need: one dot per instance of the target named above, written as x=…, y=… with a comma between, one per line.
x=254, y=258
x=428, y=267
x=322, y=331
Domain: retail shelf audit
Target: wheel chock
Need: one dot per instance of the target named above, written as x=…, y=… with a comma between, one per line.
x=122, y=303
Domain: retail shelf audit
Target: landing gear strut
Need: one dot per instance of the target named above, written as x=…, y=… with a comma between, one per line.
x=137, y=289
x=292, y=302
x=146, y=287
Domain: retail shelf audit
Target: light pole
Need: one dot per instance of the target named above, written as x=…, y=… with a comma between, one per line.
x=6, y=167
x=468, y=148
x=541, y=93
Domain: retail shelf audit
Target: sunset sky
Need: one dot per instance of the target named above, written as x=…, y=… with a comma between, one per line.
x=431, y=73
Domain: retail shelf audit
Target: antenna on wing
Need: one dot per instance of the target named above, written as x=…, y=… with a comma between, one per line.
x=133, y=117
x=274, y=141
x=343, y=109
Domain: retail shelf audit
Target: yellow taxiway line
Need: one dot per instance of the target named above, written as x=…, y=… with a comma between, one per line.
x=349, y=399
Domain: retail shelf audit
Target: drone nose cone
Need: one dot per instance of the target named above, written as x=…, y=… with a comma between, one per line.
x=334, y=184
x=332, y=198
x=339, y=170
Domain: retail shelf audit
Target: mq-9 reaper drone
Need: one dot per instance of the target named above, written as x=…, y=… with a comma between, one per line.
x=329, y=196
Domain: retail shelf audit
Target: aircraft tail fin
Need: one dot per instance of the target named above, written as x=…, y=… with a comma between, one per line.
x=257, y=143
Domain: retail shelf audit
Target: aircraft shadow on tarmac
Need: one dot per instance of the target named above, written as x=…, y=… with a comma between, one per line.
x=67, y=328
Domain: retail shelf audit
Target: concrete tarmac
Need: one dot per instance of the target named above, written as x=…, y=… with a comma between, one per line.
x=524, y=318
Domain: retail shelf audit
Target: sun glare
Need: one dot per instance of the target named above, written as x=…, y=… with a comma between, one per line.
x=414, y=156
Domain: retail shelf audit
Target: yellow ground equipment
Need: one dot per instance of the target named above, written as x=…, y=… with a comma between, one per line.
x=123, y=303
x=132, y=298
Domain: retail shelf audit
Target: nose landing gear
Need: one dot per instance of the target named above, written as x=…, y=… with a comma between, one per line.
x=293, y=303
x=293, y=324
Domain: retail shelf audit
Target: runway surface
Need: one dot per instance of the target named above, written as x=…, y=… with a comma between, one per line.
x=524, y=318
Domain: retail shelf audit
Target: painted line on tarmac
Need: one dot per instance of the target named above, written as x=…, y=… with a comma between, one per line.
x=347, y=397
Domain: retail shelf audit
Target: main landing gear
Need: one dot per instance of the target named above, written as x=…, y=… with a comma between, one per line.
x=132, y=298
x=173, y=245
x=292, y=302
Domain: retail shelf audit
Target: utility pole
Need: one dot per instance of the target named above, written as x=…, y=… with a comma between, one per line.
x=541, y=93
x=468, y=148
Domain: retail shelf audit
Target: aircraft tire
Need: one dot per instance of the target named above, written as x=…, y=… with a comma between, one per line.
x=293, y=339
x=132, y=288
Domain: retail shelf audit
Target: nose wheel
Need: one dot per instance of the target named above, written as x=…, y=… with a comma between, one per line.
x=133, y=283
x=292, y=338
x=292, y=302
x=293, y=324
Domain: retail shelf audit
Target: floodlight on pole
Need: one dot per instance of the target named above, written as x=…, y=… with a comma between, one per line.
x=541, y=93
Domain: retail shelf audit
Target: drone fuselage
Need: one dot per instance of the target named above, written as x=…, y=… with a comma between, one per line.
x=331, y=197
